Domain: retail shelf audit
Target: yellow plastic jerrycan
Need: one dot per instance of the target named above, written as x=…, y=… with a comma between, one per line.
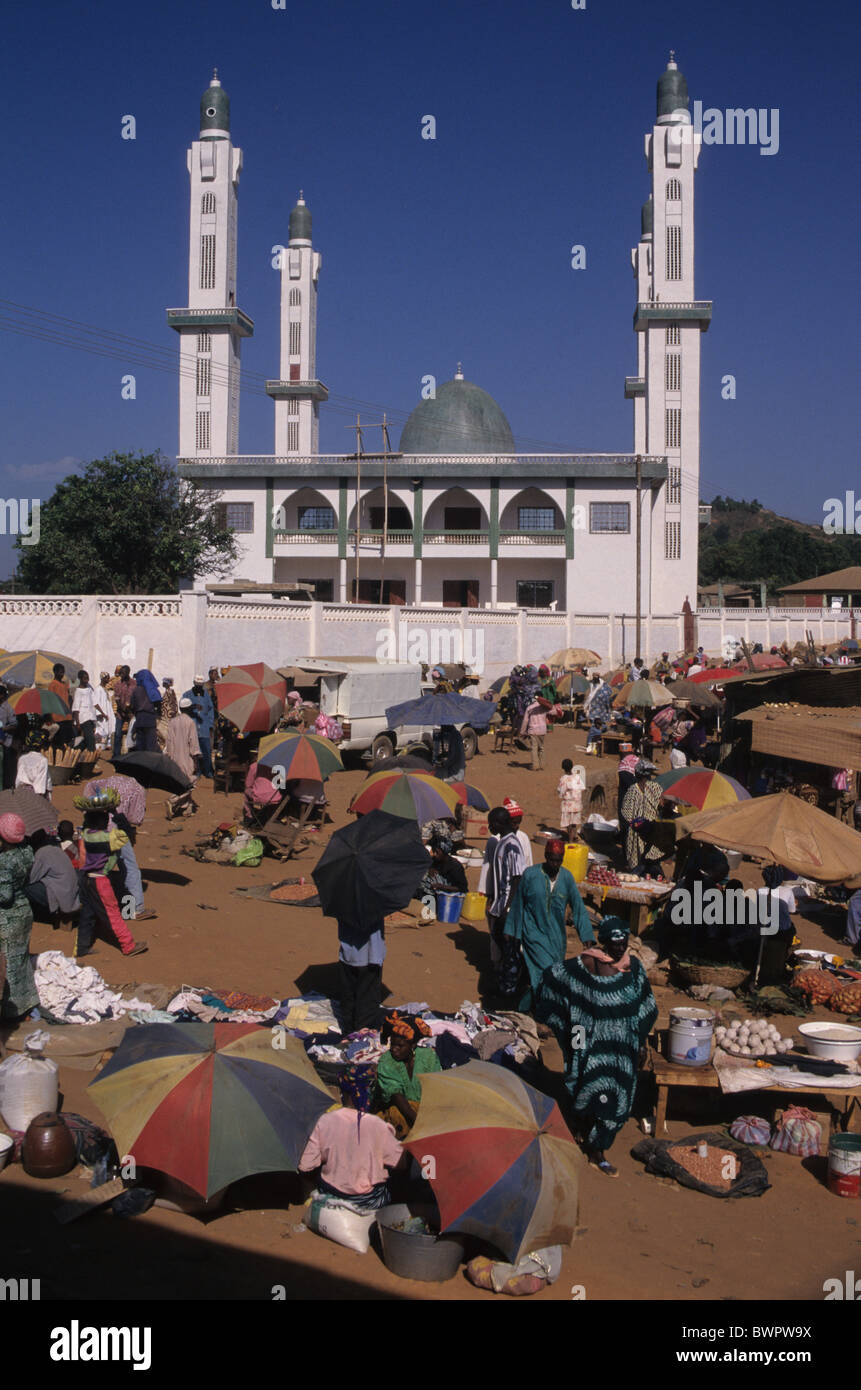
x=474, y=905
x=576, y=858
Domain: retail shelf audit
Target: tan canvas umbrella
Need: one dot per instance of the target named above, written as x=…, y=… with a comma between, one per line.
x=569, y=657
x=783, y=829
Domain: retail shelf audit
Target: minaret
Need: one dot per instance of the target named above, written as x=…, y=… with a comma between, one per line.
x=669, y=321
x=212, y=326
x=298, y=393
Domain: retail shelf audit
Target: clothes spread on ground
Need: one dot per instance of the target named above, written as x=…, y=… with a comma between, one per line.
x=222, y=1006
x=309, y=1013
x=78, y=994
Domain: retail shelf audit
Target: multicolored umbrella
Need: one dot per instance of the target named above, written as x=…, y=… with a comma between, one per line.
x=251, y=697
x=701, y=787
x=700, y=696
x=35, y=667
x=132, y=803
x=616, y=678
x=300, y=755
x=505, y=1168
x=209, y=1103
x=470, y=796
x=642, y=695
x=571, y=684
x=715, y=675
x=414, y=796
x=36, y=701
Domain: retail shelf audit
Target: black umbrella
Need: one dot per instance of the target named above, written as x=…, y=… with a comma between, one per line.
x=370, y=868
x=410, y=762
x=154, y=770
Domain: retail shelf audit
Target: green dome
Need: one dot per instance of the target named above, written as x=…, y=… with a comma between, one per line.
x=215, y=107
x=460, y=419
x=672, y=90
x=299, y=226
x=647, y=218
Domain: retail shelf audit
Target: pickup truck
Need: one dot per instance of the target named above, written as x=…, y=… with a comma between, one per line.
x=357, y=691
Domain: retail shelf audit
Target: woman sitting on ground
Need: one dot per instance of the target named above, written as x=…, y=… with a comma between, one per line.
x=355, y=1152
x=399, y=1070
x=445, y=873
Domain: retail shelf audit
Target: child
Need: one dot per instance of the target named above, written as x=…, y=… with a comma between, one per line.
x=570, y=793
x=101, y=877
x=66, y=836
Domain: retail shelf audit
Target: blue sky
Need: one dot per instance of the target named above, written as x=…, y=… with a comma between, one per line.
x=434, y=251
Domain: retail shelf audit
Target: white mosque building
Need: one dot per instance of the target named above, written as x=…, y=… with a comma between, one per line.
x=454, y=517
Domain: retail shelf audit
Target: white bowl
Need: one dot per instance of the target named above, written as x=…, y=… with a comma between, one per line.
x=6, y=1146
x=834, y=1042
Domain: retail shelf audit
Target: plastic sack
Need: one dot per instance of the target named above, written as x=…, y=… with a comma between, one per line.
x=798, y=1132
x=338, y=1221
x=28, y=1086
x=530, y=1275
x=751, y=1129
x=752, y=1179
x=250, y=855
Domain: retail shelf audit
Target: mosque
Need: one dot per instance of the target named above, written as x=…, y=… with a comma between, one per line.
x=455, y=517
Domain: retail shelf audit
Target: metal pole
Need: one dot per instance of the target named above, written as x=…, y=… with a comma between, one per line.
x=637, y=647
x=385, y=504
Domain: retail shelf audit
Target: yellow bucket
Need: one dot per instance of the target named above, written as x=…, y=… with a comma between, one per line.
x=474, y=905
x=576, y=858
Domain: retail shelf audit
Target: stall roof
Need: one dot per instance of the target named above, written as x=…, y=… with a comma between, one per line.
x=836, y=687
x=807, y=734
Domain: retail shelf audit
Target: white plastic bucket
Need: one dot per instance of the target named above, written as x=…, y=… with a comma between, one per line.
x=7, y=1144
x=690, y=1036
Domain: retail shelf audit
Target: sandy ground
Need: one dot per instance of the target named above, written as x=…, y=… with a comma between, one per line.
x=640, y=1237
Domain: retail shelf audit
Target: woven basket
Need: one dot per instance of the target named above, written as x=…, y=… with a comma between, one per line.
x=721, y=976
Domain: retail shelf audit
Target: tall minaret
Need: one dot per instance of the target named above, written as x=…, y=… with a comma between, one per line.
x=669, y=321
x=298, y=393
x=212, y=326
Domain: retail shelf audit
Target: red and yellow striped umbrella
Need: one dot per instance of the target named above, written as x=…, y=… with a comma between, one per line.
x=702, y=787
x=251, y=697
x=37, y=701
x=412, y=795
x=307, y=756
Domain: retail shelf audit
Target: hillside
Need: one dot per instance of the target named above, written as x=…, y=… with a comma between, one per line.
x=746, y=543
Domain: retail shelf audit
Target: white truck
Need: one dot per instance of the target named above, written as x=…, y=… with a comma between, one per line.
x=357, y=691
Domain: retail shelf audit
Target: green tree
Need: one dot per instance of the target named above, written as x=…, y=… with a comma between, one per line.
x=127, y=524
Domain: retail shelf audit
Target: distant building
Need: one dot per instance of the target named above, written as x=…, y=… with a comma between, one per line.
x=454, y=516
x=839, y=589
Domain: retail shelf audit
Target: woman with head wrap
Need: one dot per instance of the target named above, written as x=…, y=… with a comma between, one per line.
x=536, y=920
x=639, y=810
x=601, y=1007
x=445, y=874
x=354, y=1150
x=18, y=994
x=398, y=1071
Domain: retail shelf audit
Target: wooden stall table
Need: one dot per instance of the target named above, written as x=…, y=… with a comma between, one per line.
x=640, y=899
x=669, y=1075
x=610, y=740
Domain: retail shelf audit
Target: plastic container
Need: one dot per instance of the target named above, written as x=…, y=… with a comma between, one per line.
x=431, y=1259
x=449, y=906
x=474, y=907
x=28, y=1087
x=7, y=1144
x=844, y=1165
x=576, y=858
x=689, y=1040
x=834, y=1042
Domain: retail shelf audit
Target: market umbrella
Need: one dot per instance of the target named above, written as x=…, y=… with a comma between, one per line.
x=132, y=802
x=762, y=661
x=571, y=684
x=568, y=657
x=36, y=812
x=701, y=787
x=698, y=695
x=783, y=829
x=501, y=685
x=35, y=667
x=416, y=796
x=642, y=695
x=209, y=1103
x=299, y=675
x=251, y=697
x=371, y=867
x=715, y=675
x=300, y=755
x=470, y=796
x=619, y=677
x=36, y=701
x=153, y=770
x=433, y=710
x=506, y=1166
x=410, y=762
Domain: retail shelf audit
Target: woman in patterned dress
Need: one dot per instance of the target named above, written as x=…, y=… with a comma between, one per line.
x=19, y=994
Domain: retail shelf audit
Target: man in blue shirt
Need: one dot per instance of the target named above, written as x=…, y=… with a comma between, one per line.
x=202, y=711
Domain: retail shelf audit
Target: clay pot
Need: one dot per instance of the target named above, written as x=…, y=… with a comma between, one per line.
x=49, y=1149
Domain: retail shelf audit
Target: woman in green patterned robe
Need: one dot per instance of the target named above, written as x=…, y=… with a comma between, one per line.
x=601, y=1007
x=19, y=994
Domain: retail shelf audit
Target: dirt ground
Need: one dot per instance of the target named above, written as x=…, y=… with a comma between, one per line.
x=640, y=1237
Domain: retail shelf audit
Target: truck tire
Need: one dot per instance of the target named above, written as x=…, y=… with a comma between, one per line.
x=470, y=742
x=382, y=747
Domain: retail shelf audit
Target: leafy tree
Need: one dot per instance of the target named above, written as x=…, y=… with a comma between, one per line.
x=127, y=524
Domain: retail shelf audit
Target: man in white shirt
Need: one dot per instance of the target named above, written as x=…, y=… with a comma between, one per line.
x=33, y=771
x=85, y=711
x=515, y=810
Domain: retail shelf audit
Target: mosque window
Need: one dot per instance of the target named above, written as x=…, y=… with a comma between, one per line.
x=674, y=252
x=202, y=433
x=316, y=518
x=673, y=429
x=295, y=338
x=674, y=335
x=295, y=298
x=292, y=436
x=674, y=191
x=536, y=518
x=672, y=540
x=674, y=371
x=609, y=517
x=204, y=375
x=207, y=203
x=204, y=342
x=674, y=486
x=207, y=262
x=292, y=407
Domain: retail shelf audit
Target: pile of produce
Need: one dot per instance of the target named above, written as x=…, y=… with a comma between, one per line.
x=609, y=877
x=847, y=1000
x=817, y=985
x=712, y=1169
x=751, y=1037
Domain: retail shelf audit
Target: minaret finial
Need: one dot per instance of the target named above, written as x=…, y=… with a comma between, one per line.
x=215, y=81
x=672, y=59
x=458, y=376
x=301, y=196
